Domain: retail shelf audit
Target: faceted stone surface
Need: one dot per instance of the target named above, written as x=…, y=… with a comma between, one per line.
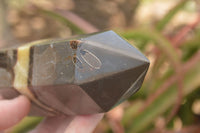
x=83, y=75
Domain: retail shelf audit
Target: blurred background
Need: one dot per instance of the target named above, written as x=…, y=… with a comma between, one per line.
x=166, y=31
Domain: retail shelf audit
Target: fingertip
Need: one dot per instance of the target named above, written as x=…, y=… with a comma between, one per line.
x=23, y=100
x=13, y=111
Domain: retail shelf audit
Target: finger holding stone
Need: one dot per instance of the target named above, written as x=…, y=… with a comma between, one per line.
x=13, y=111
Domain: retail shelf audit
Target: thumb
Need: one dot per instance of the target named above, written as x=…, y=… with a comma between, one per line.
x=12, y=111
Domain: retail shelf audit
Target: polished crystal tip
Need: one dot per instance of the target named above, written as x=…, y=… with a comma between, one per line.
x=82, y=75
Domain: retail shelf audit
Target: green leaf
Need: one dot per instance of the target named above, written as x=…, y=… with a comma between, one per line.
x=190, y=47
x=27, y=124
x=186, y=113
x=131, y=112
x=61, y=19
x=159, y=40
x=166, y=100
x=165, y=20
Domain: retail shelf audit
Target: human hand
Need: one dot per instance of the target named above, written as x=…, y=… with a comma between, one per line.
x=12, y=111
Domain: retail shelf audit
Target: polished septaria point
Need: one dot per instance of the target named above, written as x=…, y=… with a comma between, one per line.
x=83, y=75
